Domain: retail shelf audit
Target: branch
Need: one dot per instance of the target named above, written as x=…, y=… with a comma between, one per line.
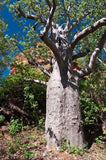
x=88, y=30
x=101, y=61
x=68, y=17
x=37, y=1
x=76, y=22
x=48, y=3
x=46, y=39
x=35, y=25
x=53, y=47
x=36, y=81
x=47, y=27
x=80, y=54
x=17, y=109
x=33, y=62
x=64, y=6
x=66, y=10
x=94, y=55
x=28, y=16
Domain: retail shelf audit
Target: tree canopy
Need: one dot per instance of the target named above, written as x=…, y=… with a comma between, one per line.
x=71, y=21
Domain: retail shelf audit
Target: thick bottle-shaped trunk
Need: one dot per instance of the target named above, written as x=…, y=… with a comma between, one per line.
x=63, y=117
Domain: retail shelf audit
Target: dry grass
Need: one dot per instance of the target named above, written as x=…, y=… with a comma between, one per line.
x=30, y=144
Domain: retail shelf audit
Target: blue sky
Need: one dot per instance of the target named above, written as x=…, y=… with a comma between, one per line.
x=13, y=27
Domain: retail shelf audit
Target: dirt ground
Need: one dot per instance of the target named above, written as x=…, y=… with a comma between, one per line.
x=30, y=144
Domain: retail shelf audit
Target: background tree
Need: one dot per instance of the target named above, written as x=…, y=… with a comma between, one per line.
x=4, y=46
x=71, y=29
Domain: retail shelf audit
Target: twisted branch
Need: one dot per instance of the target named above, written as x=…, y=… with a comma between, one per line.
x=86, y=31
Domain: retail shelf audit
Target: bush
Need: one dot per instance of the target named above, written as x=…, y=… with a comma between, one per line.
x=28, y=96
x=92, y=96
x=90, y=110
x=14, y=126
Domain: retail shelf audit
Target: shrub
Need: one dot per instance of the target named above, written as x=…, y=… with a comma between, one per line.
x=14, y=126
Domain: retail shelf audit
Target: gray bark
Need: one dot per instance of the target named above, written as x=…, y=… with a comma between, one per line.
x=63, y=118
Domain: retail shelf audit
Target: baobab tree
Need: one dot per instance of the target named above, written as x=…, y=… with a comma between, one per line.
x=71, y=29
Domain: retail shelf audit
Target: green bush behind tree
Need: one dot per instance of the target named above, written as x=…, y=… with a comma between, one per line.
x=33, y=96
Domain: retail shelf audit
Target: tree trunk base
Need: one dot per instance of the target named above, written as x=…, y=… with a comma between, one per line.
x=63, y=118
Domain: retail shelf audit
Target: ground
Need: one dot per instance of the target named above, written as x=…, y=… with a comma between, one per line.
x=30, y=144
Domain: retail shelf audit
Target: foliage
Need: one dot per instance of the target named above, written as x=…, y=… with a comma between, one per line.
x=30, y=103
x=92, y=92
x=14, y=145
x=41, y=123
x=11, y=149
x=92, y=97
x=65, y=146
x=95, y=9
x=90, y=114
x=11, y=87
x=14, y=126
x=28, y=154
x=19, y=148
x=4, y=48
x=31, y=97
x=99, y=139
x=26, y=149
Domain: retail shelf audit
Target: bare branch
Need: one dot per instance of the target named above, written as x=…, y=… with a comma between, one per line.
x=53, y=47
x=46, y=39
x=47, y=27
x=20, y=14
x=35, y=81
x=35, y=25
x=36, y=1
x=76, y=22
x=34, y=62
x=68, y=18
x=80, y=54
x=94, y=55
x=101, y=61
x=97, y=50
x=16, y=108
x=88, y=30
x=28, y=16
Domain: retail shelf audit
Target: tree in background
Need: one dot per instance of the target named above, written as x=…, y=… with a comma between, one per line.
x=71, y=29
x=4, y=46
